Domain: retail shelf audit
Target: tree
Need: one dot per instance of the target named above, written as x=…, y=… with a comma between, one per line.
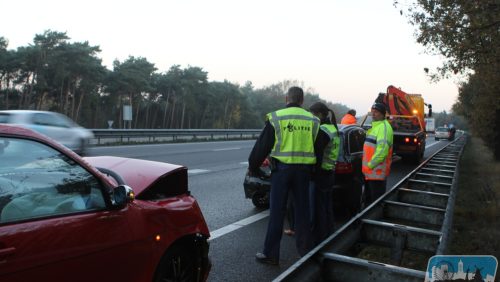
x=130, y=79
x=467, y=34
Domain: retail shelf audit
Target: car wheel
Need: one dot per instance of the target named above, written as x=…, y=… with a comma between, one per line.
x=435, y=138
x=261, y=200
x=178, y=264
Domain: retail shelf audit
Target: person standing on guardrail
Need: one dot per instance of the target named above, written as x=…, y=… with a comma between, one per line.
x=288, y=138
x=377, y=154
x=326, y=148
x=349, y=118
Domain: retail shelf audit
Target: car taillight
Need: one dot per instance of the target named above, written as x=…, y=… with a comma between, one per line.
x=407, y=140
x=343, y=168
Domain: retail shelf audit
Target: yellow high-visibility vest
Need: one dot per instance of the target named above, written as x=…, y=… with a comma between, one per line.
x=331, y=153
x=377, y=151
x=295, y=131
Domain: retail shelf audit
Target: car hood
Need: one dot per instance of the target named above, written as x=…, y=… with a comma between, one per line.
x=140, y=175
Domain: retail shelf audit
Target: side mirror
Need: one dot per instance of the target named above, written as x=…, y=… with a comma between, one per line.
x=122, y=195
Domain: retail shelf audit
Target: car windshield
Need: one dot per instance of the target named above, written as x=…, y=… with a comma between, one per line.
x=442, y=129
x=44, y=182
x=404, y=124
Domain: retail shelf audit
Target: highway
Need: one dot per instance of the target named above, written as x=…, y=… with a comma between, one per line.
x=216, y=173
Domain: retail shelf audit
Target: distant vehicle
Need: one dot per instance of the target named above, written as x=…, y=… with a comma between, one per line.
x=54, y=125
x=444, y=133
x=65, y=218
x=349, y=180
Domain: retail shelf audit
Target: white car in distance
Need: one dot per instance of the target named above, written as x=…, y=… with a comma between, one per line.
x=54, y=125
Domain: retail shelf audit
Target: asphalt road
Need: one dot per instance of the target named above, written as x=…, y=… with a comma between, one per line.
x=216, y=173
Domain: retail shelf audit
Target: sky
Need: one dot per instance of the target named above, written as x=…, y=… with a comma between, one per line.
x=348, y=51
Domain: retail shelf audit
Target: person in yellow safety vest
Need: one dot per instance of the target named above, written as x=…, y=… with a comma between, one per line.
x=288, y=138
x=377, y=154
x=326, y=147
x=349, y=118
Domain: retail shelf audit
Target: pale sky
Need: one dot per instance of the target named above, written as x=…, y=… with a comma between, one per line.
x=346, y=50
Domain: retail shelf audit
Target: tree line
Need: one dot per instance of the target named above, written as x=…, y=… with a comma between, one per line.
x=467, y=34
x=55, y=74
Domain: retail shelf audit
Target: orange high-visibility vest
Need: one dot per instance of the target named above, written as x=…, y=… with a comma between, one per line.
x=377, y=151
x=348, y=119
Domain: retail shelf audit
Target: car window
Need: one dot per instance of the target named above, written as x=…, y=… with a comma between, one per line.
x=48, y=119
x=442, y=129
x=4, y=118
x=355, y=139
x=38, y=181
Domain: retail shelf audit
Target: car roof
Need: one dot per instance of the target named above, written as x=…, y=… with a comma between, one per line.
x=18, y=131
x=342, y=127
x=25, y=111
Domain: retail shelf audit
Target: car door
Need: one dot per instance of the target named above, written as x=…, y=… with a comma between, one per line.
x=56, y=223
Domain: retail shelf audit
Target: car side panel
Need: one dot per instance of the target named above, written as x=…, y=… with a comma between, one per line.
x=85, y=247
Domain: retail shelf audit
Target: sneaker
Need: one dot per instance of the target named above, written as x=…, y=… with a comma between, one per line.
x=262, y=258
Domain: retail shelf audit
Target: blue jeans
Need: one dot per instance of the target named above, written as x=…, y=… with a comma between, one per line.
x=285, y=179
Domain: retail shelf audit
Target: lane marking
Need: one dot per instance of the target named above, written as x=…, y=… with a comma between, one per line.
x=244, y=163
x=431, y=144
x=237, y=225
x=226, y=149
x=196, y=171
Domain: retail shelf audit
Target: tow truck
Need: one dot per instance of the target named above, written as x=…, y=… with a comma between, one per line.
x=405, y=113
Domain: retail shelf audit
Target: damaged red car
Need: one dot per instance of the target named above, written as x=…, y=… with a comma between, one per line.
x=65, y=218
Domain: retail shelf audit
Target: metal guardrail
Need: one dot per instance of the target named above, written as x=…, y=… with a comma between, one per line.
x=394, y=237
x=124, y=136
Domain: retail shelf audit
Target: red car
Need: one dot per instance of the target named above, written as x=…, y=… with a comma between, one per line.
x=64, y=218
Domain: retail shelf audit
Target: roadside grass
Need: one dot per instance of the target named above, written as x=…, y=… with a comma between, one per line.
x=476, y=225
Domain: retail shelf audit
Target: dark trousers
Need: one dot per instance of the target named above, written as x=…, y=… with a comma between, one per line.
x=373, y=190
x=287, y=179
x=290, y=213
x=323, y=206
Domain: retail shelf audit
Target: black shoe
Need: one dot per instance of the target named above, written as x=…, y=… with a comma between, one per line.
x=262, y=258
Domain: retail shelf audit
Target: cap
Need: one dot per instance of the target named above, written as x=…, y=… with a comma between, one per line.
x=379, y=107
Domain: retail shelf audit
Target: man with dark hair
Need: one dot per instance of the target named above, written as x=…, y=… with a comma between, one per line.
x=349, y=118
x=288, y=138
x=377, y=154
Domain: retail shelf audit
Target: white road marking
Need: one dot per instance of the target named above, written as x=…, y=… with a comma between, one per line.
x=237, y=225
x=226, y=149
x=196, y=171
x=431, y=145
x=244, y=163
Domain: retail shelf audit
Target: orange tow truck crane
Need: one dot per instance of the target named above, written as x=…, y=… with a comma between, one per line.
x=405, y=113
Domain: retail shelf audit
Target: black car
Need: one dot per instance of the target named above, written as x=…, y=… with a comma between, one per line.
x=348, y=188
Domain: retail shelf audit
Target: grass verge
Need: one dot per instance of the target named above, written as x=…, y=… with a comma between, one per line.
x=476, y=225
